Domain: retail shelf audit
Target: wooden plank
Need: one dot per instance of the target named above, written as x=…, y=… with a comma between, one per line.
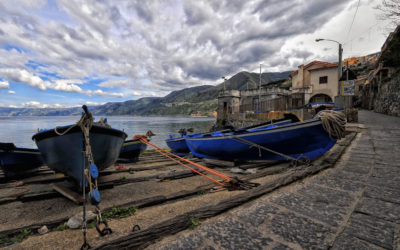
x=219, y=163
x=68, y=193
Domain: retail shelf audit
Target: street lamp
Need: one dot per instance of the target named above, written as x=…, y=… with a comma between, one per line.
x=340, y=59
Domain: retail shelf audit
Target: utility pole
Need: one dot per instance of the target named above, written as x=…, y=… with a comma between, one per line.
x=259, y=92
x=339, y=62
x=340, y=67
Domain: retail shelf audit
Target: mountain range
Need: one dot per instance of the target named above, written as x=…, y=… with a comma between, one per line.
x=194, y=100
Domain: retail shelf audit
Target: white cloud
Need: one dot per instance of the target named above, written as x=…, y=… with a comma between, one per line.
x=4, y=85
x=36, y=104
x=23, y=76
x=94, y=103
x=100, y=92
x=115, y=83
x=11, y=92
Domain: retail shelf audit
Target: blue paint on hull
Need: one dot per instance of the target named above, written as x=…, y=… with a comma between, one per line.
x=64, y=153
x=178, y=145
x=303, y=138
x=20, y=161
x=131, y=150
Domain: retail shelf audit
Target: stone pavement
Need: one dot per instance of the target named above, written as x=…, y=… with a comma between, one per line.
x=355, y=205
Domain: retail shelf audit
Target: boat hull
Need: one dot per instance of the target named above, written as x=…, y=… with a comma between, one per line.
x=131, y=150
x=20, y=161
x=307, y=139
x=178, y=145
x=65, y=153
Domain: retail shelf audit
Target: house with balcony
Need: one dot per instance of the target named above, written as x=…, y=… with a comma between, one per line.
x=317, y=81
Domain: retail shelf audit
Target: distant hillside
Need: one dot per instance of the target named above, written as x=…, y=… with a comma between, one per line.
x=186, y=95
x=201, y=99
x=241, y=81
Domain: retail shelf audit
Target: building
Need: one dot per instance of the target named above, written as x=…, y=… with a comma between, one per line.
x=317, y=81
x=235, y=105
x=314, y=82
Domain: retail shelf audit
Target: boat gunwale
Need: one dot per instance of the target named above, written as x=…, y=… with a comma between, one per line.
x=277, y=129
x=174, y=139
x=94, y=129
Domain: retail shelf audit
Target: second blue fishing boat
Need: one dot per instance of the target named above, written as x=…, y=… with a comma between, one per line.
x=16, y=161
x=301, y=140
x=131, y=149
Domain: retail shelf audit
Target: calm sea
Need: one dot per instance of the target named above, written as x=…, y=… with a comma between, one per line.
x=19, y=130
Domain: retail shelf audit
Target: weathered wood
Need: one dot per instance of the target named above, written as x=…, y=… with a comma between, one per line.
x=68, y=193
x=220, y=163
x=49, y=194
x=141, y=238
x=259, y=165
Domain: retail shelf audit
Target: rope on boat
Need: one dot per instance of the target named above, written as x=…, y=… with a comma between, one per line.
x=333, y=122
x=232, y=182
x=305, y=160
x=89, y=174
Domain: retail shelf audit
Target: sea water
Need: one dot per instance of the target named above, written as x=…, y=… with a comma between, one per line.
x=19, y=130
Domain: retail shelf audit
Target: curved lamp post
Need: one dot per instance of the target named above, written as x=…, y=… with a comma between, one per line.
x=340, y=59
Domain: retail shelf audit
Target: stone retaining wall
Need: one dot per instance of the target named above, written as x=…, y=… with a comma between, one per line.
x=387, y=99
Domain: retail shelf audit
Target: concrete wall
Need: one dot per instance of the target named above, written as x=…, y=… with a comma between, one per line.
x=228, y=103
x=330, y=88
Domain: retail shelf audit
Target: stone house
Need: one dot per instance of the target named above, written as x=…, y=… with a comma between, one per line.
x=317, y=81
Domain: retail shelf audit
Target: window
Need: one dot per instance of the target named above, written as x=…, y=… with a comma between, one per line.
x=323, y=79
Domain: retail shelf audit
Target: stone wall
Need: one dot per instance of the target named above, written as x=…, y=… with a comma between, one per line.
x=387, y=98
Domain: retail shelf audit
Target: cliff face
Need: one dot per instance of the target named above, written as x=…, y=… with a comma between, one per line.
x=387, y=97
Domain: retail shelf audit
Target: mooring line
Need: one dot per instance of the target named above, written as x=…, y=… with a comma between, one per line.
x=163, y=152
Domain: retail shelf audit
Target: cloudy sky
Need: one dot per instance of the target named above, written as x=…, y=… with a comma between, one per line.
x=70, y=52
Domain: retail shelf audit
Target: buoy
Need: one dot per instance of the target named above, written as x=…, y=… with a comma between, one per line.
x=95, y=199
x=94, y=172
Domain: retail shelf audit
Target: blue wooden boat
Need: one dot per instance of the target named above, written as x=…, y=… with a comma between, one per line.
x=178, y=144
x=63, y=153
x=16, y=162
x=303, y=140
x=131, y=149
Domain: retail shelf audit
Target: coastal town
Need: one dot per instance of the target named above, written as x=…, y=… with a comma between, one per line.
x=306, y=158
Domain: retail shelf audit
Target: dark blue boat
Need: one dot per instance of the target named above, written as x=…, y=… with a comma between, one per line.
x=178, y=144
x=63, y=153
x=17, y=162
x=304, y=140
x=131, y=149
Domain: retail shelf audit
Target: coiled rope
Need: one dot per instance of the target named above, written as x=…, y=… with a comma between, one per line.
x=333, y=122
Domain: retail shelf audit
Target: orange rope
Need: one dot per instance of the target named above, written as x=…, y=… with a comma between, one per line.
x=165, y=153
x=24, y=190
x=224, y=176
x=194, y=170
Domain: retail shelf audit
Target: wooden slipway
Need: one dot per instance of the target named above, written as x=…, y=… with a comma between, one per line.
x=167, y=196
